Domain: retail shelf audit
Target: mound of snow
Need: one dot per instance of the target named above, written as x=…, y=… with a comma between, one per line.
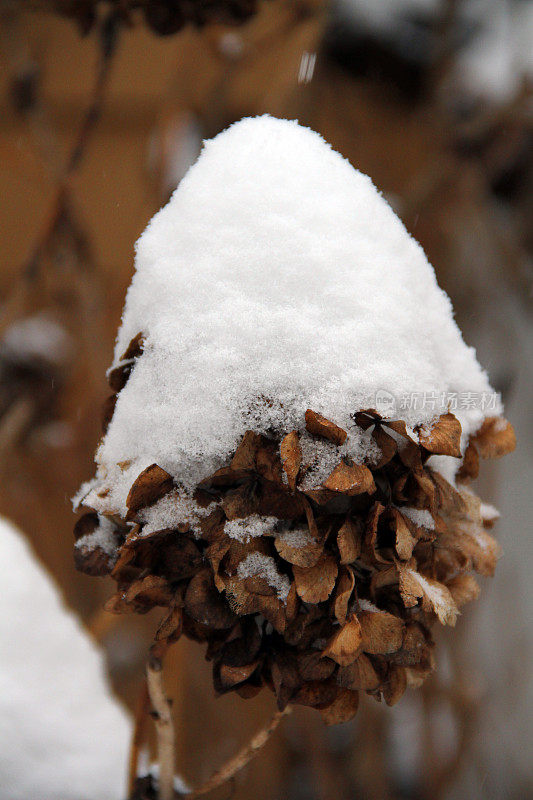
x=62, y=735
x=276, y=279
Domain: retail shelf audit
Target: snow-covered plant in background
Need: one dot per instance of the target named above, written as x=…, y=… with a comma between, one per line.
x=63, y=736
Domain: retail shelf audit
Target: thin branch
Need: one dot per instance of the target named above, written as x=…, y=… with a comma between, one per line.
x=243, y=757
x=139, y=736
x=108, y=40
x=164, y=727
x=60, y=203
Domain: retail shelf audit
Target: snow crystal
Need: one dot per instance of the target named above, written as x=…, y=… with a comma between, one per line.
x=366, y=605
x=172, y=510
x=322, y=456
x=62, y=735
x=265, y=567
x=420, y=516
x=297, y=538
x=276, y=279
x=250, y=527
x=437, y=595
x=103, y=537
x=488, y=512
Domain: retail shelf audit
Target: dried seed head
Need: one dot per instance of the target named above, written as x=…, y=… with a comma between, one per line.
x=318, y=594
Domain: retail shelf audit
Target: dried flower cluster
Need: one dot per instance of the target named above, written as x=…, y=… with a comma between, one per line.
x=317, y=593
x=164, y=17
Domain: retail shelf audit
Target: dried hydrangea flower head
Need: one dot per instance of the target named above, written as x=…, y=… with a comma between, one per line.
x=266, y=476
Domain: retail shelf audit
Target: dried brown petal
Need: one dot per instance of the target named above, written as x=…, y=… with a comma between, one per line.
x=495, y=438
x=444, y=437
x=346, y=644
x=349, y=540
x=395, y=686
x=86, y=525
x=231, y=676
x=316, y=694
x=152, y=484
x=343, y=593
x=415, y=646
x=268, y=462
x=291, y=457
x=405, y=541
x=135, y=347
x=205, y=605
x=342, y=709
x=240, y=502
x=382, y=632
x=474, y=543
x=171, y=625
x=320, y=426
x=92, y=561
x=305, y=556
x=463, y=588
x=312, y=666
x=470, y=466
x=386, y=444
x=351, y=479
x=434, y=595
x=154, y=588
x=244, y=458
x=446, y=497
x=315, y=584
x=117, y=377
x=359, y=675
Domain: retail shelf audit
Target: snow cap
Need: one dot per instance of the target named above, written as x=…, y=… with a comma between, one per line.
x=276, y=279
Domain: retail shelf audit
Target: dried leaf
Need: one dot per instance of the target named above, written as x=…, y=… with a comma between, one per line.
x=349, y=540
x=305, y=556
x=351, y=479
x=463, y=588
x=312, y=666
x=244, y=458
x=117, y=377
x=386, y=444
x=135, y=347
x=343, y=593
x=342, y=709
x=382, y=633
x=291, y=457
x=320, y=426
x=395, y=686
x=444, y=437
x=315, y=584
x=346, y=643
x=415, y=646
x=205, y=605
x=434, y=595
x=152, y=585
x=152, y=484
x=231, y=676
x=470, y=466
x=316, y=694
x=359, y=675
x=405, y=541
x=495, y=438
x=171, y=625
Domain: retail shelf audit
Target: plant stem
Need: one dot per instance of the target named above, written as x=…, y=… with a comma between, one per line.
x=164, y=727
